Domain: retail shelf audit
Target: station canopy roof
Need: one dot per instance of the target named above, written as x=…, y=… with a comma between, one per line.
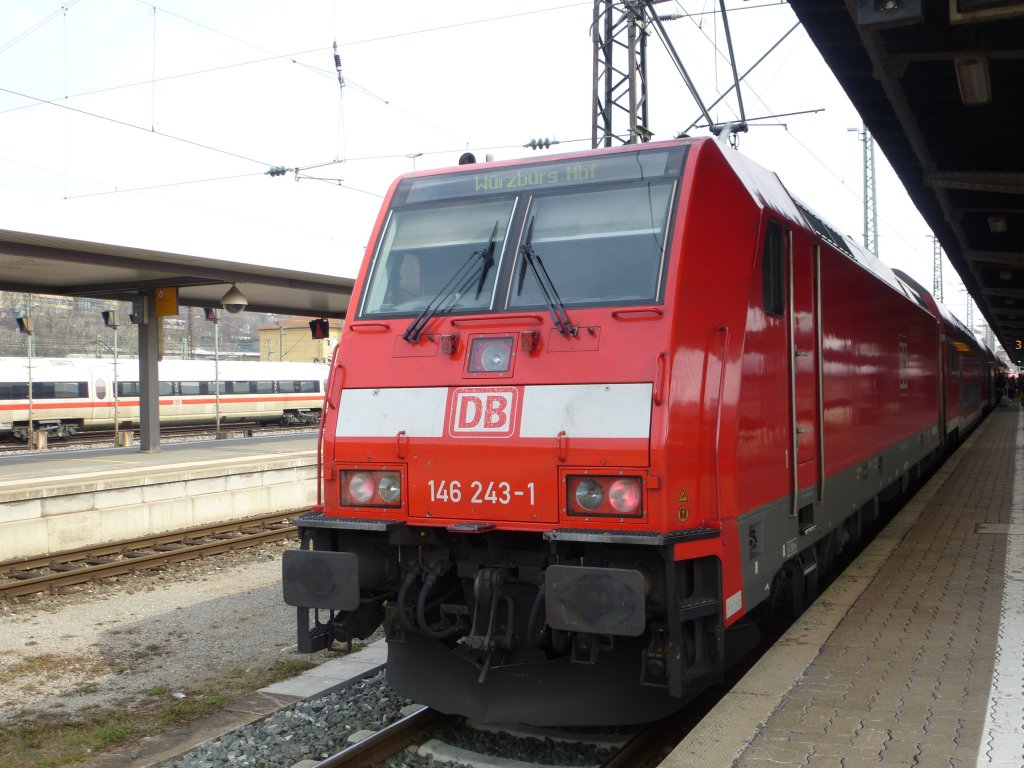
x=940, y=86
x=35, y=263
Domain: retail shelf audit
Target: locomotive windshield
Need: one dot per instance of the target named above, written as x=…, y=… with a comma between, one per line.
x=597, y=246
x=423, y=249
x=598, y=228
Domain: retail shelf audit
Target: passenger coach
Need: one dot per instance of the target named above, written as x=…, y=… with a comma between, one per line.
x=73, y=394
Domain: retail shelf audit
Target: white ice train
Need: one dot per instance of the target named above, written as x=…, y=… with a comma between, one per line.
x=73, y=394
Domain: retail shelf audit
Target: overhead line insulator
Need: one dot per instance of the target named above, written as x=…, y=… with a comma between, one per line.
x=541, y=143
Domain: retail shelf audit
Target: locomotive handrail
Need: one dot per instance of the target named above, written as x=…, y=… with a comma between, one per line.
x=639, y=313
x=819, y=374
x=659, y=379
x=334, y=386
x=724, y=331
x=503, y=320
x=713, y=385
x=367, y=325
x=336, y=372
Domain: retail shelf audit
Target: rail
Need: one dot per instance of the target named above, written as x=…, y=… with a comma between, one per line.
x=390, y=740
x=644, y=750
x=24, y=577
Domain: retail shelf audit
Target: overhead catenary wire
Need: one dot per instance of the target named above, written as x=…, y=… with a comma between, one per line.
x=179, y=76
x=774, y=114
x=341, y=102
x=299, y=173
x=323, y=70
x=165, y=185
x=61, y=11
x=152, y=84
x=291, y=56
x=67, y=140
x=131, y=125
x=153, y=80
x=273, y=56
x=742, y=77
x=456, y=25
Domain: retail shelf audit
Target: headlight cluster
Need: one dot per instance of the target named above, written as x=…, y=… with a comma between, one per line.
x=608, y=495
x=371, y=488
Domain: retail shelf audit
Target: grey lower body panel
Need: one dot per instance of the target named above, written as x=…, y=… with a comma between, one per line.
x=780, y=536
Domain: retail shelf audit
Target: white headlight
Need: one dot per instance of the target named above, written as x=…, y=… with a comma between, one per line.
x=589, y=494
x=491, y=355
x=390, y=487
x=495, y=357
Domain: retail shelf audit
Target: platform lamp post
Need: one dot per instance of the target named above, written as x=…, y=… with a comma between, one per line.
x=211, y=315
x=110, y=320
x=25, y=327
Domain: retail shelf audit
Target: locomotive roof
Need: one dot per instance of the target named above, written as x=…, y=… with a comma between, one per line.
x=767, y=190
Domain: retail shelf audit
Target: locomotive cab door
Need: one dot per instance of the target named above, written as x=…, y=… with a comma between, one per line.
x=805, y=384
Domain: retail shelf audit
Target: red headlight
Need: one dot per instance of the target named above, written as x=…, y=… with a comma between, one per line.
x=360, y=487
x=604, y=495
x=624, y=495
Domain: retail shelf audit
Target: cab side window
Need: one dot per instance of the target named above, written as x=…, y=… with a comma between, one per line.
x=773, y=269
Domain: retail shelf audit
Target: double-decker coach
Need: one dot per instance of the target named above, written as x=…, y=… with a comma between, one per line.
x=591, y=415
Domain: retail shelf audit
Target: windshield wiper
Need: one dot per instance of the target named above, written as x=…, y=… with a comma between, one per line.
x=458, y=284
x=547, y=287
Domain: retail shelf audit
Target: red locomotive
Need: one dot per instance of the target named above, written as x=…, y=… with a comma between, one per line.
x=590, y=414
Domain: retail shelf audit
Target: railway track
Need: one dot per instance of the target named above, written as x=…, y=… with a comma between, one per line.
x=24, y=577
x=431, y=732
x=414, y=728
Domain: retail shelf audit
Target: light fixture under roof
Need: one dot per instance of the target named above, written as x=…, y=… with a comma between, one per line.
x=972, y=77
x=1005, y=274
x=234, y=301
x=997, y=223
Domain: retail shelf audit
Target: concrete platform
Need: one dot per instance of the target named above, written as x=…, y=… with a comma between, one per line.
x=326, y=678
x=61, y=500
x=915, y=655
x=334, y=674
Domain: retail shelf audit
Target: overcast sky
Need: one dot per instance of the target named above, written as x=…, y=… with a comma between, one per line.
x=154, y=124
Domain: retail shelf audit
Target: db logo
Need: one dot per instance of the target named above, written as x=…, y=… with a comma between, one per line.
x=483, y=412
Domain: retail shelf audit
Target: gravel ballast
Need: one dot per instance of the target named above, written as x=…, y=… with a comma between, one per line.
x=116, y=639
x=315, y=729
x=120, y=641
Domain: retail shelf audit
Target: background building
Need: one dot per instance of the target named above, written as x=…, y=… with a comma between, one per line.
x=290, y=339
